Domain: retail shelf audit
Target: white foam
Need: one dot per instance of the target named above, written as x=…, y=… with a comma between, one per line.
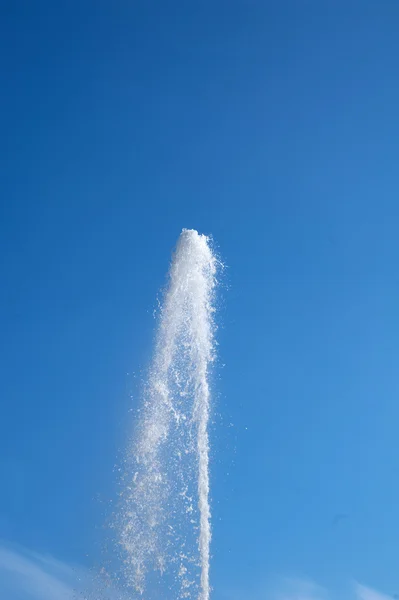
x=166, y=520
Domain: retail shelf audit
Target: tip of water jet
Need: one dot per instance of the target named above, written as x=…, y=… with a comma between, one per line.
x=189, y=232
x=192, y=232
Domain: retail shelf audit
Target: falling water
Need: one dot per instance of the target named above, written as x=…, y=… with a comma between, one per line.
x=165, y=529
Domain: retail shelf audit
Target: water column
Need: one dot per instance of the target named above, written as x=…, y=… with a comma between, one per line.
x=165, y=529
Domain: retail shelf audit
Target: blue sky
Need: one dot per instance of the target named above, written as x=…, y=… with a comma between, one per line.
x=274, y=127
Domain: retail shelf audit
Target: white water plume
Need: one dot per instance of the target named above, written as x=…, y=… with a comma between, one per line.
x=165, y=529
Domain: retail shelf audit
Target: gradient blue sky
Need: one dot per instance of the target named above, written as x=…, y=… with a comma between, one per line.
x=272, y=125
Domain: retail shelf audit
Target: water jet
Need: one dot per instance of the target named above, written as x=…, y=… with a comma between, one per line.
x=165, y=521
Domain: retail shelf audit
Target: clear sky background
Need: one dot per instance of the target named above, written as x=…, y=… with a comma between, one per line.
x=273, y=126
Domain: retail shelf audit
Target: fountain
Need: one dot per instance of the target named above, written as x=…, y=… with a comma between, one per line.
x=165, y=520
